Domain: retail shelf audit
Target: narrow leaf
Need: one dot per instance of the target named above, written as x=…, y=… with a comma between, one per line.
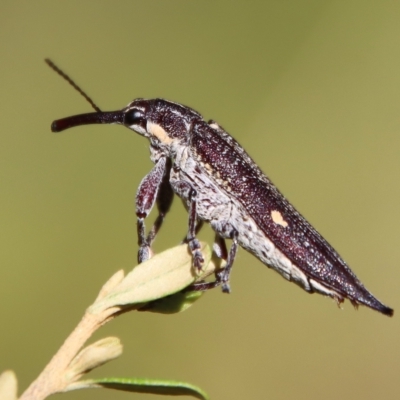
x=172, y=388
x=93, y=356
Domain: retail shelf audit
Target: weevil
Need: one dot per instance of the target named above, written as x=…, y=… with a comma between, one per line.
x=221, y=185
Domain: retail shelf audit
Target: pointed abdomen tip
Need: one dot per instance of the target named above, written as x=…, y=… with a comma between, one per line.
x=387, y=311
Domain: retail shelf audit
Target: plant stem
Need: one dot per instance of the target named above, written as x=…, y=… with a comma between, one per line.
x=53, y=378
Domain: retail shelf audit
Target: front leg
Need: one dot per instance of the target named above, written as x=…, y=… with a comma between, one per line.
x=153, y=187
x=164, y=201
x=186, y=191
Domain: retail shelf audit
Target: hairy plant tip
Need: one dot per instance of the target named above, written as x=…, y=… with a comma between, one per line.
x=165, y=274
x=8, y=385
x=115, y=280
x=93, y=356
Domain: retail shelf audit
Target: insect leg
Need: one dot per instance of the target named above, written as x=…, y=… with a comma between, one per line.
x=145, y=198
x=193, y=243
x=219, y=249
x=222, y=277
x=226, y=272
x=164, y=201
x=199, y=225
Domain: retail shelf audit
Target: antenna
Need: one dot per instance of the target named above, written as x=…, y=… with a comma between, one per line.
x=71, y=82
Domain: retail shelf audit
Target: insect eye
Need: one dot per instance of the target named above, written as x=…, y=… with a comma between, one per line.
x=135, y=117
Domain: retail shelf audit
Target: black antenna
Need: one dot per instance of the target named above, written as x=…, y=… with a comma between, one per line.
x=71, y=82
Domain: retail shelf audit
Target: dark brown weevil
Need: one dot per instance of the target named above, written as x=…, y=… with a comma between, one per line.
x=220, y=184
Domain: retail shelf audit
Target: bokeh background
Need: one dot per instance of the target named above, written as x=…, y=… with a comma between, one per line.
x=310, y=88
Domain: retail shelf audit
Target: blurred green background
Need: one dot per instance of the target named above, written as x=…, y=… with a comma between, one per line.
x=310, y=88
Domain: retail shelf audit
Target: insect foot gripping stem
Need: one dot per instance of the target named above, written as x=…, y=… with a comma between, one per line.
x=219, y=183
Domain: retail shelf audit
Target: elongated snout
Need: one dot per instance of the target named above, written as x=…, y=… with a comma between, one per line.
x=107, y=117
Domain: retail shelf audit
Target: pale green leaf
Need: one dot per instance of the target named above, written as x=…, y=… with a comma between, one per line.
x=166, y=273
x=93, y=356
x=172, y=304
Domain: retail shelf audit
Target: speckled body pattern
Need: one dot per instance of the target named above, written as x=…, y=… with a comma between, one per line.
x=235, y=197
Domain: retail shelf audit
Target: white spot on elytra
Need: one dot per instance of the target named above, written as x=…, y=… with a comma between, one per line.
x=278, y=219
